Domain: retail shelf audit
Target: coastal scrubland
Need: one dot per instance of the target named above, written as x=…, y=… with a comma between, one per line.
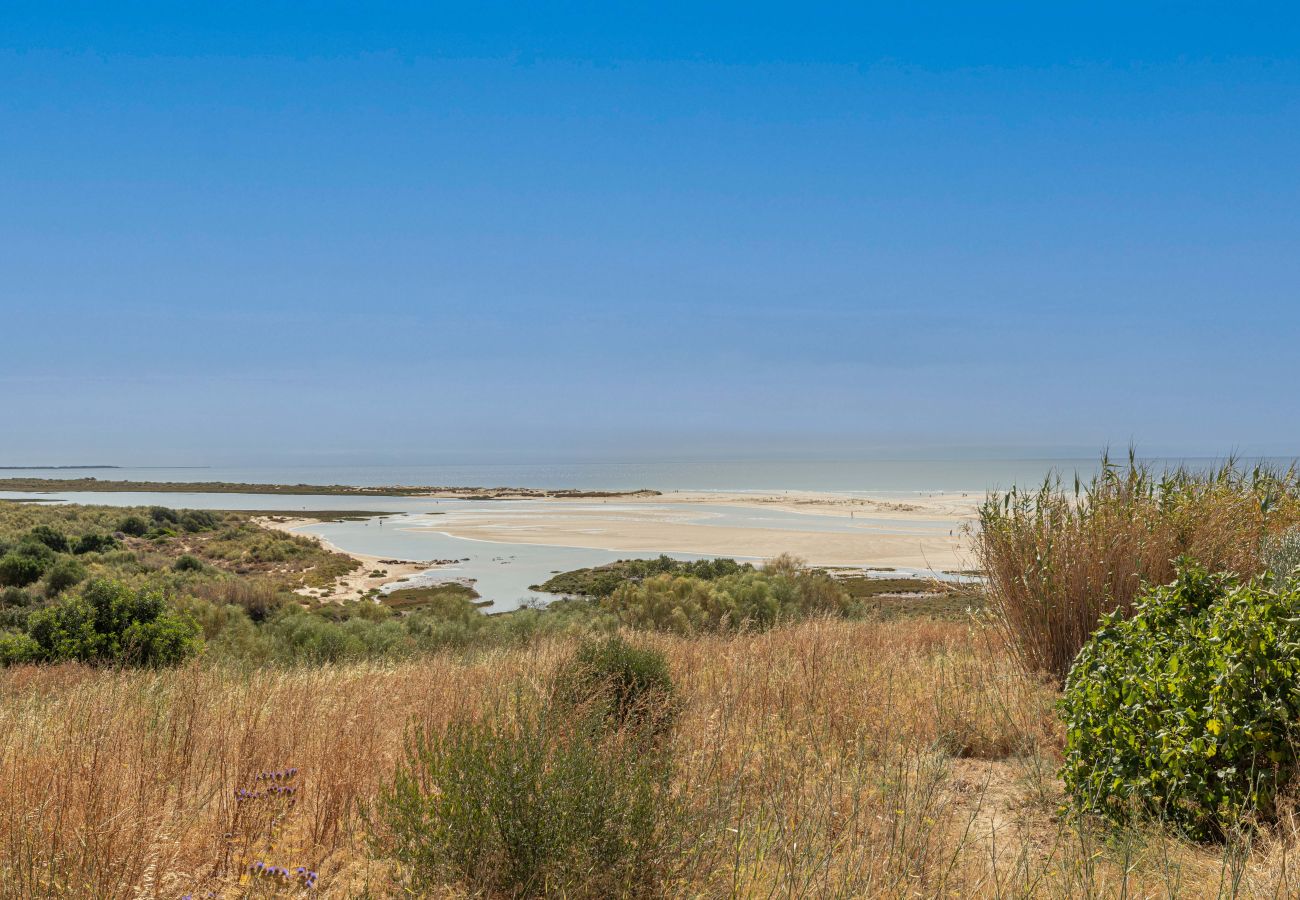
x=1111, y=712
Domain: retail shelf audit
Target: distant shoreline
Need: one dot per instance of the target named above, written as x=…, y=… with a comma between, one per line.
x=51, y=468
x=79, y=485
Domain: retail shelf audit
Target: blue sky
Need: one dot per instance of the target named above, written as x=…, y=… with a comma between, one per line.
x=383, y=232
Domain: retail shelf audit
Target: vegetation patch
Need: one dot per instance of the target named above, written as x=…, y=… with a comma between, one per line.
x=603, y=581
x=783, y=591
x=1188, y=710
x=888, y=599
x=436, y=595
x=107, y=622
x=1057, y=559
x=629, y=685
x=533, y=800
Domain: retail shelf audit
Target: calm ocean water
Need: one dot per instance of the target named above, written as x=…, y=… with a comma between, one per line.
x=873, y=476
x=867, y=476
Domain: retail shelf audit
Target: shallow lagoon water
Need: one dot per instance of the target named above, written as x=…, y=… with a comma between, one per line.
x=503, y=572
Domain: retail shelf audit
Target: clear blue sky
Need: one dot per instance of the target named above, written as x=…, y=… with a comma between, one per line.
x=385, y=232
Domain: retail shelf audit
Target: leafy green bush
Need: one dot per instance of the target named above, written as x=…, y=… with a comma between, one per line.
x=784, y=591
x=162, y=515
x=188, y=563
x=134, y=526
x=530, y=803
x=20, y=569
x=630, y=685
x=108, y=622
x=194, y=520
x=16, y=647
x=65, y=573
x=1188, y=711
x=14, y=596
x=94, y=543
x=50, y=537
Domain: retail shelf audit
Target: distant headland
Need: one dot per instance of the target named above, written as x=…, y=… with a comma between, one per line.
x=227, y=487
x=50, y=468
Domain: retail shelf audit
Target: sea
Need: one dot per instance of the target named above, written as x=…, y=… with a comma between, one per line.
x=847, y=476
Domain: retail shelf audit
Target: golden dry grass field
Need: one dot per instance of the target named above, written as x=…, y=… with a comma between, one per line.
x=825, y=759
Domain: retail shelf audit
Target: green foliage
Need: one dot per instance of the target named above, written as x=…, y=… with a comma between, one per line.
x=14, y=596
x=16, y=647
x=784, y=591
x=1056, y=560
x=188, y=563
x=631, y=685
x=602, y=581
x=65, y=573
x=50, y=537
x=108, y=622
x=196, y=520
x=532, y=802
x=94, y=543
x=297, y=636
x=134, y=526
x=19, y=569
x=162, y=516
x=1188, y=710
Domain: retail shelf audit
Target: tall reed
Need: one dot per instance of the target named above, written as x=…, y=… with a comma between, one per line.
x=1056, y=559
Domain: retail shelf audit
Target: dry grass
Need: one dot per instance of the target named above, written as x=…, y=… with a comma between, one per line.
x=826, y=759
x=1056, y=560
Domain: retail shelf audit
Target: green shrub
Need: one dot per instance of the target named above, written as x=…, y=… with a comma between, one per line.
x=784, y=591
x=19, y=569
x=16, y=647
x=134, y=526
x=188, y=563
x=1056, y=560
x=14, y=596
x=199, y=520
x=629, y=685
x=1187, y=711
x=49, y=536
x=94, y=543
x=161, y=515
x=65, y=573
x=602, y=581
x=108, y=622
x=538, y=803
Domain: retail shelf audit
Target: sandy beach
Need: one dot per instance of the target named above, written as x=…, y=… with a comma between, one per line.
x=925, y=532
